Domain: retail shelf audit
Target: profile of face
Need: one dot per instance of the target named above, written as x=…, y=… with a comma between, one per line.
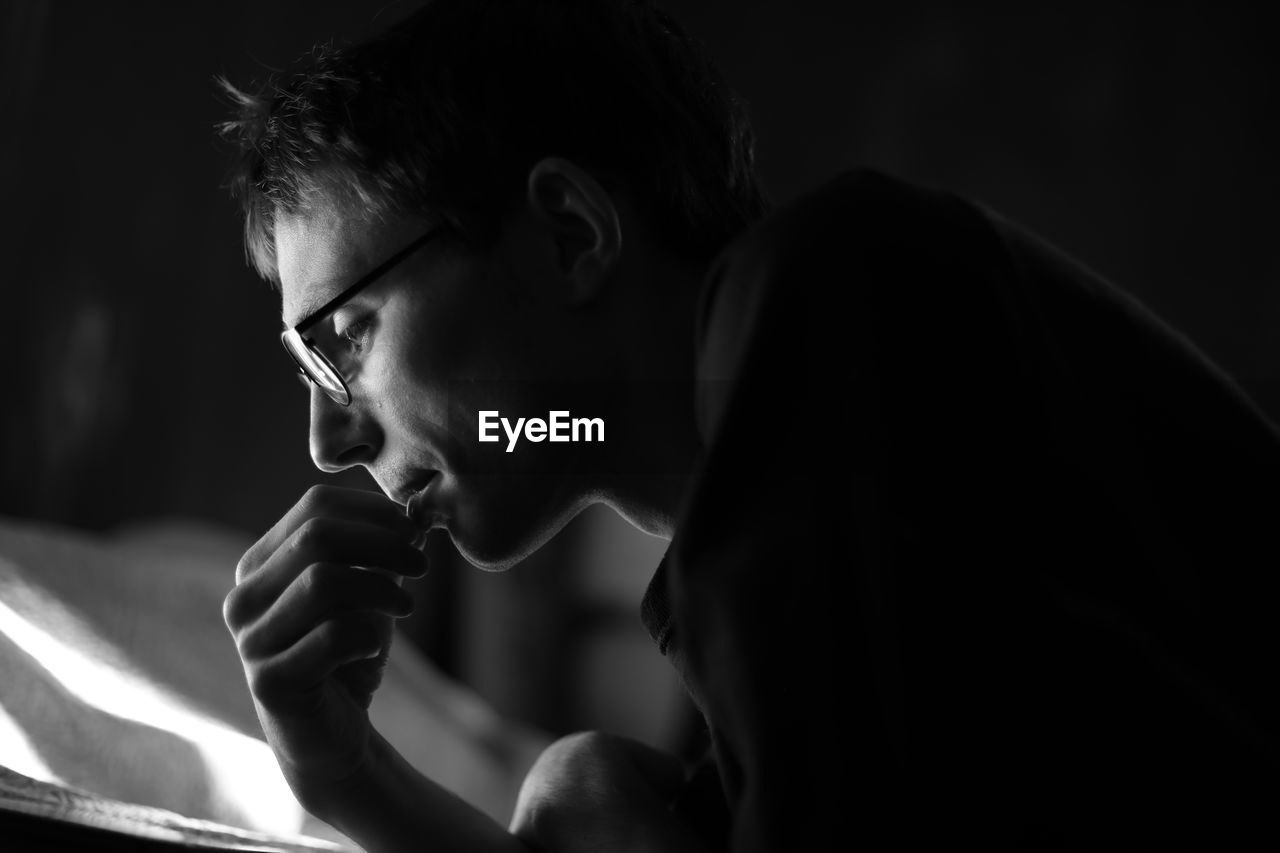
x=448, y=333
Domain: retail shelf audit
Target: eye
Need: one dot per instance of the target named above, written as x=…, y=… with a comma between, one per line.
x=356, y=334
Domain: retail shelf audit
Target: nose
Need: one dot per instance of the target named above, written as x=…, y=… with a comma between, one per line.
x=341, y=436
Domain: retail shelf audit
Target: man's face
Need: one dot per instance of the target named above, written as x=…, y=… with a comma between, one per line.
x=443, y=336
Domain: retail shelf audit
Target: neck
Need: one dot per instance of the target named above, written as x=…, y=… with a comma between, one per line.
x=658, y=440
x=650, y=484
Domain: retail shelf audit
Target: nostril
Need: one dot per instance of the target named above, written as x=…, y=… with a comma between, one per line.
x=333, y=457
x=341, y=437
x=354, y=456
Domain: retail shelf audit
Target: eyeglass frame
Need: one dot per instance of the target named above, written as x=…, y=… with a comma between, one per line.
x=293, y=337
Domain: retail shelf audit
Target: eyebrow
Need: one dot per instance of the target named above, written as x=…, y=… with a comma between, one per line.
x=312, y=317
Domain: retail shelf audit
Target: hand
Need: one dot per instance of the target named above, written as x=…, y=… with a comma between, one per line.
x=597, y=792
x=313, y=631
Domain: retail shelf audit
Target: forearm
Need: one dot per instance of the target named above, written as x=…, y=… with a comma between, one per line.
x=392, y=808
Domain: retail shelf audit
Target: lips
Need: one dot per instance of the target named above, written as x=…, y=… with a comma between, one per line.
x=410, y=487
x=421, y=490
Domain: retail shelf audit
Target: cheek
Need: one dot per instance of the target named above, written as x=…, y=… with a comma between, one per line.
x=427, y=400
x=453, y=327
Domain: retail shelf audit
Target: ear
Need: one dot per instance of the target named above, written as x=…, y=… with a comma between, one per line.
x=583, y=223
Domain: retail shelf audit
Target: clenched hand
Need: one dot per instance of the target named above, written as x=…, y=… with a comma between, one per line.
x=312, y=615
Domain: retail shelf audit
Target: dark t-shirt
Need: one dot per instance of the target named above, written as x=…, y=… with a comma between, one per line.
x=978, y=551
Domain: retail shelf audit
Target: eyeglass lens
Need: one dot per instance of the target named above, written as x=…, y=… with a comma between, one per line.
x=316, y=367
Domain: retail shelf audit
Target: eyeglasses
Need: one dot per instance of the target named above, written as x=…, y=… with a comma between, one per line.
x=314, y=364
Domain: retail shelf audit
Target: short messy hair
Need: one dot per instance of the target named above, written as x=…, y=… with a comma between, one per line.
x=445, y=113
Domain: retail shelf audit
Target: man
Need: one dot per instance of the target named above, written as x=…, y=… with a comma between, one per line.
x=965, y=545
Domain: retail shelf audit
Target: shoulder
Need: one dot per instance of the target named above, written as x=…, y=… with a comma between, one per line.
x=859, y=208
x=860, y=225
x=812, y=272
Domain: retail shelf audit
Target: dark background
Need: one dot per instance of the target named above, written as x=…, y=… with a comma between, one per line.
x=142, y=373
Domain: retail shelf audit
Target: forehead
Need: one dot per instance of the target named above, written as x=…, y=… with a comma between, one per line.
x=320, y=252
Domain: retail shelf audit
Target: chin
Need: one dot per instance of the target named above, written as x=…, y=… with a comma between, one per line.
x=495, y=539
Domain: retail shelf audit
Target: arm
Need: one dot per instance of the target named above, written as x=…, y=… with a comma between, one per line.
x=388, y=806
x=313, y=630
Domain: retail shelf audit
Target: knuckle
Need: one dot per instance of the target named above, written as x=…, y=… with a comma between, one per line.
x=317, y=499
x=310, y=534
x=332, y=636
x=251, y=644
x=247, y=564
x=319, y=581
x=232, y=608
x=264, y=682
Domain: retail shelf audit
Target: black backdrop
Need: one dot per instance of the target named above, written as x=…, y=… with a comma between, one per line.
x=142, y=373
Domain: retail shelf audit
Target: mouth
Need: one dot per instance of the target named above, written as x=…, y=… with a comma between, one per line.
x=419, y=491
x=410, y=487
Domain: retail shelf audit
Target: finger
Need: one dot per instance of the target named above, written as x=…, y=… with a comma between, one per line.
x=362, y=678
x=298, y=671
x=321, y=540
x=326, y=502
x=320, y=592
